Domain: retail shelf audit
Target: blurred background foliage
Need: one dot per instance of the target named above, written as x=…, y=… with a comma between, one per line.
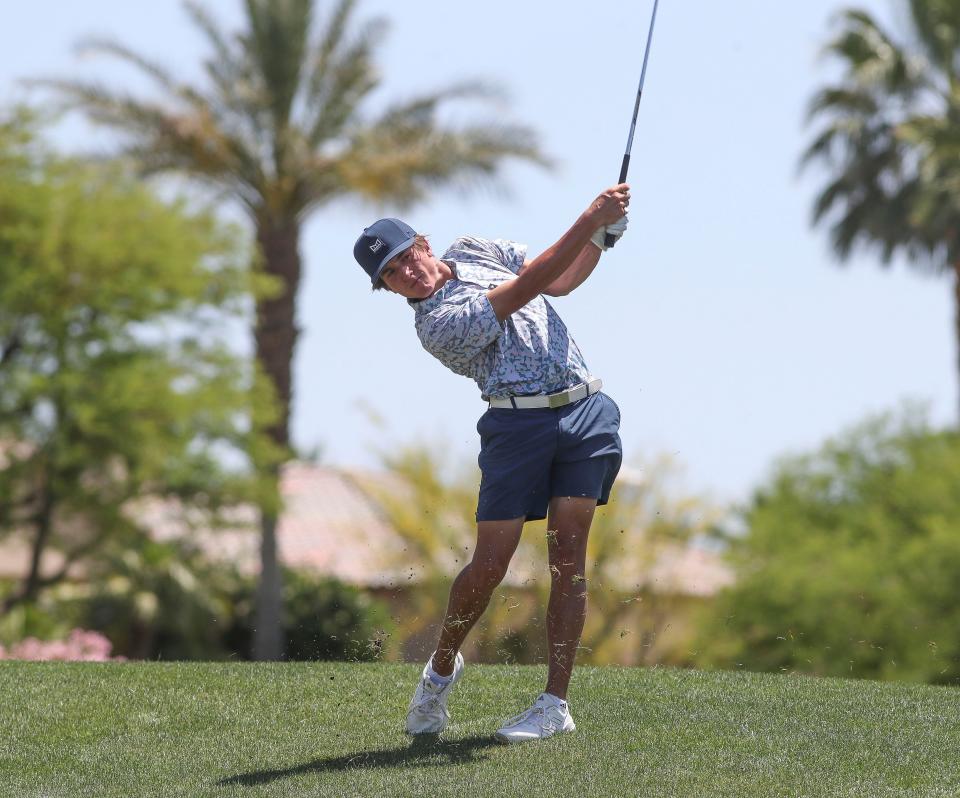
x=168, y=602
x=848, y=561
x=117, y=382
x=116, y=385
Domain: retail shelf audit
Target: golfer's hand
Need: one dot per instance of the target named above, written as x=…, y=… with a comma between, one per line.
x=611, y=205
x=617, y=229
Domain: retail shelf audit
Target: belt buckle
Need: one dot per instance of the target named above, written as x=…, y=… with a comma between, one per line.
x=558, y=399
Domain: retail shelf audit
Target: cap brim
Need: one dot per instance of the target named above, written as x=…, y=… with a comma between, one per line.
x=392, y=254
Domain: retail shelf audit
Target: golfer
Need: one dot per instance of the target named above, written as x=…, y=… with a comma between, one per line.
x=549, y=442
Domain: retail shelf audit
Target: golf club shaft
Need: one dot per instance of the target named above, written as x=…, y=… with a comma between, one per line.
x=610, y=240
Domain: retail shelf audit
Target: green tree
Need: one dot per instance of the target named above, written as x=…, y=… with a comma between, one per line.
x=890, y=140
x=849, y=561
x=282, y=126
x=116, y=384
x=155, y=600
x=324, y=619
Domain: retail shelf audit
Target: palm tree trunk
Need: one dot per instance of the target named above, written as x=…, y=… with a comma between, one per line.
x=275, y=336
x=276, y=332
x=31, y=582
x=956, y=317
x=268, y=623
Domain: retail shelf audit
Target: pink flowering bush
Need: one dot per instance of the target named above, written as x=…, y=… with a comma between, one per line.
x=81, y=646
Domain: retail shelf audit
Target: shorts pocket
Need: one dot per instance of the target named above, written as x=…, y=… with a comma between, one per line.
x=490, y=421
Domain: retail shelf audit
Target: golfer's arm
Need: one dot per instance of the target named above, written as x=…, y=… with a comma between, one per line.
x=579, y=271
x=540, y=273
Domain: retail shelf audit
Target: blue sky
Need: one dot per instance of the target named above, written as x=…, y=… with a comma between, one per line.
x=721, y=324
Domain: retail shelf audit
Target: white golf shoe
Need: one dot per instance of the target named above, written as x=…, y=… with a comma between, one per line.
x=547, y=716
x=428, y=713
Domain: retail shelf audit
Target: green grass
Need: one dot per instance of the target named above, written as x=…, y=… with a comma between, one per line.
x=331, y=729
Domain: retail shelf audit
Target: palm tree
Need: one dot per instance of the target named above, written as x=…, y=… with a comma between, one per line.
x=890, y=139
x=281, y=127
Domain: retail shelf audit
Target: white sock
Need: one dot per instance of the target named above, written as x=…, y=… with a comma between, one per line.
x=436, y=678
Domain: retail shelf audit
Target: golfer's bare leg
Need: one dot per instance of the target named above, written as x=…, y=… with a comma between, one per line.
x=568, y=525
x=471, y=590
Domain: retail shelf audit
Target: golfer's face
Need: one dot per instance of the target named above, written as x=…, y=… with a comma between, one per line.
x=409, y=274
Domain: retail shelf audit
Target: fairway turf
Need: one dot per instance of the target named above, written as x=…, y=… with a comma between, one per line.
x=335, y=729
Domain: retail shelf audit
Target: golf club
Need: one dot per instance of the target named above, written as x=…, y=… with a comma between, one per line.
x=609, y=239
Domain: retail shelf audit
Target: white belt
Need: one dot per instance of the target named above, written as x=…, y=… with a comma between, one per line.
x=574, y=394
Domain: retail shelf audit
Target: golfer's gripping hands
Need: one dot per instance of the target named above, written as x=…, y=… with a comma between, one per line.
x=609, y=208
x=614, y=231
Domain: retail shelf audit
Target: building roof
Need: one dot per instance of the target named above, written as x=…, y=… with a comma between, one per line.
x=329, y=525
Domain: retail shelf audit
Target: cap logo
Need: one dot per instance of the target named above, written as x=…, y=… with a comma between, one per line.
x=376, y=246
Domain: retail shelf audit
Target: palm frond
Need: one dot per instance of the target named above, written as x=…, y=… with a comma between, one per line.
x=400, y=163
x=843, y=100
x=331, y=41
x=889, y=144
x=179, y=130
x=164, y=140
x=281, y=122
x=936, y=25
x=873, y=60
x=106, y=106
x=111, y=47
x=421, y=110
x=342, y=75
x=828, y=143
x=277, y=43
x=173, y=88
x=231, y=77
x=204, y=20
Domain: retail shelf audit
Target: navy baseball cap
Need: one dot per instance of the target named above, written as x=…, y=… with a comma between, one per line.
x=384, y=239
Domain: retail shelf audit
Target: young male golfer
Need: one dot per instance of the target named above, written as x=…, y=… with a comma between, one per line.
x=549, y=439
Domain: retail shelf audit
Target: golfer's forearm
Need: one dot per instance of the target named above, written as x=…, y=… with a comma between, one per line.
x=543, y=270
x=578, y=272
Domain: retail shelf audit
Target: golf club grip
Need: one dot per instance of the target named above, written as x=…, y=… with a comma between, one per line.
x=609, y=239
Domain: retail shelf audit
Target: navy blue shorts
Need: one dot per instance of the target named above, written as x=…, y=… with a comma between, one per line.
x=529, y=456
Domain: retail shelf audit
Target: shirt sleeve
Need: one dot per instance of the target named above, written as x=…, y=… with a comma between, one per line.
x=510, y=253
x=456, y=332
